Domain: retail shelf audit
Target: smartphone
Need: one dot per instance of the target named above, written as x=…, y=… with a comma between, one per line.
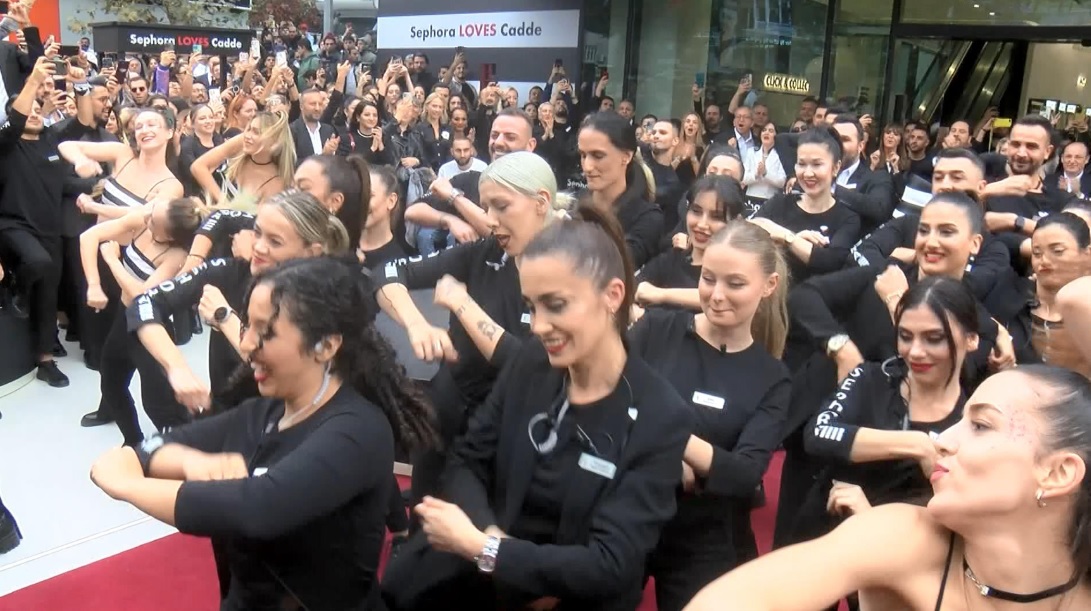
x=70, y=50
x=999, y=123
x=488, y=75
x=282, y=58
x=244, y=56
x=460, y=50
x=699, y=78
x=214, y=98
x=61, y=68
x=748, y=79
x=558, y=63
x=198, y=49
x=604, y=73
x=107, y=62
x=255, y=49
x=397, y=61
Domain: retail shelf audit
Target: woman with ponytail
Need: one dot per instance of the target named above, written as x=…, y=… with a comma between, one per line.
x=260, y=163
x=557, y=492
x=291, y=486
x=725, y=361
x=619, y=182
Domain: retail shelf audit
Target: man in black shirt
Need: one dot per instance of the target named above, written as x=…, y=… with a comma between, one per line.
x=30, y=207
x=660, y=159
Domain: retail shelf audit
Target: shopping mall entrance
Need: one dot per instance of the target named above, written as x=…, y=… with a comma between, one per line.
x=942, y=73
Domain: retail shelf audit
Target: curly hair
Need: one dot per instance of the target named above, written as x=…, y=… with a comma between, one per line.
x=327, y=296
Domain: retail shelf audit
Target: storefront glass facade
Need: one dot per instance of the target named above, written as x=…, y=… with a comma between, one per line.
x=846, y=51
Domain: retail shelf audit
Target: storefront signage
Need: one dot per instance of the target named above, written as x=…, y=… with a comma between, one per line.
x=522, y=29
x=786, y=83
x=139, y=38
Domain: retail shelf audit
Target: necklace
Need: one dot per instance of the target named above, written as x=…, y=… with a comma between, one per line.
x=288, y=420
x=991, y=592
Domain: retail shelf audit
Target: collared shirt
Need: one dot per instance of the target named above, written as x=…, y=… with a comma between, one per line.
x=846, y=174
x=316, y=137
x=747, y=142
x=3, y=101
x=1073, y=182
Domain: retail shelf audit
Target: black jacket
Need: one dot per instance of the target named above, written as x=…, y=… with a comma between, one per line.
x=870, y=195
x=303, y=147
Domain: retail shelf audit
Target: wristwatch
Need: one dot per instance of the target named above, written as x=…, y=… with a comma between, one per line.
x=486, y=560
x=835, y=344
x=1020, y=223
x=789, y=238
x=221, y=314
x=455, y=194
x=146, y=449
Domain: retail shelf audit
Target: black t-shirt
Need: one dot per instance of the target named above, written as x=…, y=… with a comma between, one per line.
x=840, y=224
x=672, y=269
x=379, y=257
x=306, y=528
x=923, y=167
x=220, y=227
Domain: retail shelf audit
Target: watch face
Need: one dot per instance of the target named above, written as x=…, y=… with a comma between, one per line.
x=486, y=563
x=220, y=314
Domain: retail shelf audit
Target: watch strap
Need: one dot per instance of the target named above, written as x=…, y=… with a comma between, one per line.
x=146, y=450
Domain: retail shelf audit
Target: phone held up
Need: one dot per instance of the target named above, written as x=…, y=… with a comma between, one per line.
x=488, y=75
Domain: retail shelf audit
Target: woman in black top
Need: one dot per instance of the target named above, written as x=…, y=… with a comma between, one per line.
x=670, y=278
x=378, y=245
x=488, y=313
x=725, y=362
x=559, y=489
x=292, y=484
x=434, y=132
x=367, y=135
x=815, y=229
x=405, y=143
x=618, y=181
x=290, y=226
x=205, y=137
x=1060, y=254
x=877, y=433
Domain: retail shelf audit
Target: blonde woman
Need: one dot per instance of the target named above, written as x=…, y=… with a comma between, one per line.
x=435, y=133
x=690, y=149
x=260, y=163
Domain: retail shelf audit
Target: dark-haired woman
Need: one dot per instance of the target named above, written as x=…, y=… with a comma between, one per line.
x=291, y=225
x=1060, y=254
x=815, y=229
x=725, y=362
x=558, y=490
x=155, y=244
x=205, y=137
x=489, y=315
x=377, y=244
x=847, y=318
x=618, y=181
x=671, y=277
x=293, y=484
x=878, y=431
x=367, y=135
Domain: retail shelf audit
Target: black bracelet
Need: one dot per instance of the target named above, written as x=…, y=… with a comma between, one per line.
x=146, y=450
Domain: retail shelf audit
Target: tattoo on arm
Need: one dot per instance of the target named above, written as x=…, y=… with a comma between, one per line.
x=461, y=310
x=488, y=329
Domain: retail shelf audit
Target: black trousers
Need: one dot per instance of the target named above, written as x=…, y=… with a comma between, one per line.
x=122, y=356
x=72, y=290
x=95, y=326
x=36, y=261
x=428, y=464
x=396, y=519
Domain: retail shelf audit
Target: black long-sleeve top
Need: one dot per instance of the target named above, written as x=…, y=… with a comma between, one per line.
x=220, y=227
x=1033, y=206
x=606, y=526
x=989, y=265
x=437, y=149
x=31, y=172
x=870, y=397
x=840, y=224
x=493, y=282
x=642, y=222
x=671, y=269
x=307, y=526
x=232, y=277
x=739, y=403
x=361, y=145
x=846, y=302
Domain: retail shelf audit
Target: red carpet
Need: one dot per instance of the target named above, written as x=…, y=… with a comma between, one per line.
x=176, y=573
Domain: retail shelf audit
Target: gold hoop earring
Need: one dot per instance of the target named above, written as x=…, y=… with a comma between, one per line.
x=1038, y=498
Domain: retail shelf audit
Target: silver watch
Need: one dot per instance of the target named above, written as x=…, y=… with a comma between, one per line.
x=835, y=344
x=486, y=560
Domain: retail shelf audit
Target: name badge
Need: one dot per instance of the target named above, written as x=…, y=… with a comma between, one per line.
x=525, y=318
x=597, y=465
x=708, y=400
x=851, y=186
x=260, y=471
x=53, y=158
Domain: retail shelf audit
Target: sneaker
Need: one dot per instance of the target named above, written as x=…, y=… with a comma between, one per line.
x=49, y=373
x=9, y=533
x=59, y=350
x=96, y=418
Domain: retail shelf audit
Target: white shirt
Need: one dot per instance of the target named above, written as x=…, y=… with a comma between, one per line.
x=316, y=137
x=3, y=101
x=451, y=169
x=846, y=174
x=744, y=144
x=766, y=186
x=1073, y=182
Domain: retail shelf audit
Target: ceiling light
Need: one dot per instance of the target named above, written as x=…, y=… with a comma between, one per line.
x=992, y=14
x=977, y=6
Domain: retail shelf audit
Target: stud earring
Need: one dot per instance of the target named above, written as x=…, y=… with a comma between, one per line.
x=1038, y=497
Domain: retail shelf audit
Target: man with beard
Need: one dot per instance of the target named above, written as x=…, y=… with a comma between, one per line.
x=916, y=146
x=453, y=204
x=869, y=194
x=311, y=135
x=31, y=219
x=659, y=156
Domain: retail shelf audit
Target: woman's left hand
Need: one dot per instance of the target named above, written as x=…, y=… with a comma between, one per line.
x=449, y=529
x=211, y=300
x=1002, y=356
x=847, y=499
x=116, y=468
x=890, y=283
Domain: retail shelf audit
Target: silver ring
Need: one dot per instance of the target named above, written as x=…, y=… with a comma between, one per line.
x=438, y=346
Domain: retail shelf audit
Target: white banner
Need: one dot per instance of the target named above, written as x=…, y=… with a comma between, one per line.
x=518, y=30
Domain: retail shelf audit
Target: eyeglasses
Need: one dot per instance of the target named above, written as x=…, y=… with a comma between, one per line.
x=138, y=89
